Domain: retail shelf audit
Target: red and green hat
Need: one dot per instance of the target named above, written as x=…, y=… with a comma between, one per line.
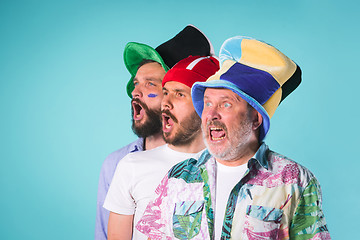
x=190, y=41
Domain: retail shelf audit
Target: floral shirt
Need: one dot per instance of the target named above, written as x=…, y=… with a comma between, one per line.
x=276, y=199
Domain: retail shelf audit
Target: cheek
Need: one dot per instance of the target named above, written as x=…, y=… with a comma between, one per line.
x=206, y=116
x=154, y=102
x=203, y=115
x=152, y=95
x=154, y=92
x=203, y=122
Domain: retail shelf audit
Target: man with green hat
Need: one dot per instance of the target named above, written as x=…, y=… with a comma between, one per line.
x=147, y=67
x=239, y=188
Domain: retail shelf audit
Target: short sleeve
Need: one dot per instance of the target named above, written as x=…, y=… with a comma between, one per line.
x=119, y=197
x=308, y=221
x=154, y=224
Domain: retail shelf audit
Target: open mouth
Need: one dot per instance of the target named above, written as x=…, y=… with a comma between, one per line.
x=217, y=133
x=138, y=111
x=167, y=122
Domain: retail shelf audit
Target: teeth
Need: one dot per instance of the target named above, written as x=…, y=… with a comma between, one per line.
x=138, y=115
x=167, y=126
x=216, y=129
x=220, y=138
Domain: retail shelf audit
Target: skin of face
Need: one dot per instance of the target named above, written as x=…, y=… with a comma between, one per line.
x=147, y=91
x=228, y=124
x=181, y=124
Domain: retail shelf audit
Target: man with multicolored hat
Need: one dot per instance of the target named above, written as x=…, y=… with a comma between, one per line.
x=138, y=174
x=147, y=67
x=239, y=188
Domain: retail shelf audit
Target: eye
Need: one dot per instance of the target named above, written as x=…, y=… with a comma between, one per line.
x=151, y=84
x=180, y=94
x=208, y=104
x=227, y=105
x=136, y=83
x=165, y=93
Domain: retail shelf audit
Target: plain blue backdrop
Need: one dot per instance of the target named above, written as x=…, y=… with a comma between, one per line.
x=64, y=107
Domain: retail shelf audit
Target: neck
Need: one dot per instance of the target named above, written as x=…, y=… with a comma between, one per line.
x=247, y=152
x=153, y=141
x=195, y=146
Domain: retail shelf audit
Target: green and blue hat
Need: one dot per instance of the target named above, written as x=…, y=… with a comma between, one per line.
x=256, y=71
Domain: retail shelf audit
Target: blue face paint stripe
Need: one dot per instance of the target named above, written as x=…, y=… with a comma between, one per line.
x=152, y=95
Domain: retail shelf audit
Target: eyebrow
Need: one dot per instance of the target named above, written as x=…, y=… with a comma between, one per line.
x=149, y=79
x=174, y=90
x=227, y=98
x=222, y=97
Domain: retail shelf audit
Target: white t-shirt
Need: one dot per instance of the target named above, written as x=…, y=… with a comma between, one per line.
x=136, y=177
x=226, y=179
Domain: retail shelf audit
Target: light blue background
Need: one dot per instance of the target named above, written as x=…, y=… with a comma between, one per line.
x=64, y=107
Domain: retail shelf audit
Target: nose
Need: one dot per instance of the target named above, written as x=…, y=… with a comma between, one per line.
x=166, y=103
x=137, y=92
x=211, y=114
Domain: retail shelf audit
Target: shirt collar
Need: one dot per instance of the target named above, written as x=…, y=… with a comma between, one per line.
x=261, y=156
x=204, y=157
x=138, y=145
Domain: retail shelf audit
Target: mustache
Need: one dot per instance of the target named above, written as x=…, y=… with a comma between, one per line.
x=142, y=104
x=216, y=123
x=167, y=112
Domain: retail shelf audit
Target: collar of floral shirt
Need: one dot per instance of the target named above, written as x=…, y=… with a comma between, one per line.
x=260, y=156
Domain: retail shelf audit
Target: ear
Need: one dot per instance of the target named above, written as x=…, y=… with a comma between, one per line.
x=257, y=120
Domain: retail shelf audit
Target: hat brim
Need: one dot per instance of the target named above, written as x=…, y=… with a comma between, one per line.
x=197, y=94
x=134, y=54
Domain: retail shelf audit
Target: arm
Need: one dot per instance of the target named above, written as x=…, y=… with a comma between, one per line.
x=155, y=223
x=120, y=203
x=106, y=175
x=102, y=214
x=120, y=226
x=308, y=221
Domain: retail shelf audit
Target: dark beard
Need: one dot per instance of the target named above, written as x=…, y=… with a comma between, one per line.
x=185, y=135
x=151, y=126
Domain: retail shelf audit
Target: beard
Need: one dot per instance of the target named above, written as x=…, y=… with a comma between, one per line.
x=186, y=132
x=152, y=124
x=235, y=142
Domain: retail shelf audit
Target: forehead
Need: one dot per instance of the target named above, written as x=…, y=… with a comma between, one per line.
x=152, y=71
x=176, y=86
x=221, y=93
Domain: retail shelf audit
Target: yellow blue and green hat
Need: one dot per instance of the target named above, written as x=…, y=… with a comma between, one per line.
x=256, y=71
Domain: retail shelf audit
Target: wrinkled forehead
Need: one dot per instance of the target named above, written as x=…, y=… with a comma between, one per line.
x=152, y=70
x=176, y=86
x=221, y=93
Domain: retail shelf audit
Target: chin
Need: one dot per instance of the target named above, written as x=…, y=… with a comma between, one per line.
x=167, y=140
x=167, y=137
x=216, y=150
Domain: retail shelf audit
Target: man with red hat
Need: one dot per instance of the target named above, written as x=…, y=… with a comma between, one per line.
x=138, y=174
x=147, y=67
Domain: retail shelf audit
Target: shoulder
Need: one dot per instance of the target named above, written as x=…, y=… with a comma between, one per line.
x=287, y=170
x=113, y=158
x=190, y=169
x=147, y=153
x=145, y=157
